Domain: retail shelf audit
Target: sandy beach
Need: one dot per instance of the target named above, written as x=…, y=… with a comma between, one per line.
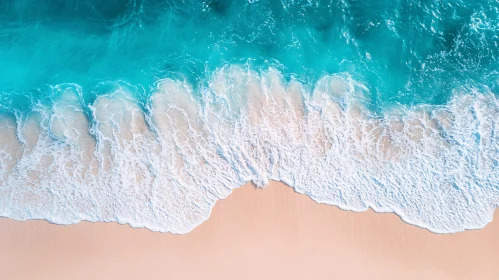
x=269, y=233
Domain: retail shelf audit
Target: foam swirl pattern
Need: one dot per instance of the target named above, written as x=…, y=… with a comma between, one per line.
x=163, y=164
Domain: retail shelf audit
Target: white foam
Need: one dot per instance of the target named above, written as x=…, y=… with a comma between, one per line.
x=164, y=168
x=10, y=148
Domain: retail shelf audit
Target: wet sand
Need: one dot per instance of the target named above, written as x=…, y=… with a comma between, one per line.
x=270, y=233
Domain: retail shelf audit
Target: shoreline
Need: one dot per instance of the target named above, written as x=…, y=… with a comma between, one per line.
x=402, y=217
x=255, y=233
x=124, y=163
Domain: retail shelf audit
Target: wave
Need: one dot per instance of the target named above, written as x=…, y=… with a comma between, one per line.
x=163, y=164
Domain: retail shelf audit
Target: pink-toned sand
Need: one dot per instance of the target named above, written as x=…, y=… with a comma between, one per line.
x=270, y=233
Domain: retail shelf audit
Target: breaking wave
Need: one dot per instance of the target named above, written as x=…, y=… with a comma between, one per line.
x=164, y=161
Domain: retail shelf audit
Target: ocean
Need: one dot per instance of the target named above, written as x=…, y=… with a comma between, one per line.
x=147, y=112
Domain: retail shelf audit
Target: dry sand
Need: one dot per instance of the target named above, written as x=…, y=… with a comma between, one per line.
x=270, y=233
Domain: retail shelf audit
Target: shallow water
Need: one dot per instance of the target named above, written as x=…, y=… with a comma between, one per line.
x=148, y=112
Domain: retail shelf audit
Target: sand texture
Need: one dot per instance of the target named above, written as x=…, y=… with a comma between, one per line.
x=270, y=233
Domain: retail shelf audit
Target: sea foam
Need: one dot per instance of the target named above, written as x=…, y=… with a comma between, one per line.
x=164, y=164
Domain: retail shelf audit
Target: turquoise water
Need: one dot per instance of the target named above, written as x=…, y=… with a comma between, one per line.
x=407, y=52
x=148, y=112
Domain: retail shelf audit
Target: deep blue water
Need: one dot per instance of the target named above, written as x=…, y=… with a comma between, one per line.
x=404, y=51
